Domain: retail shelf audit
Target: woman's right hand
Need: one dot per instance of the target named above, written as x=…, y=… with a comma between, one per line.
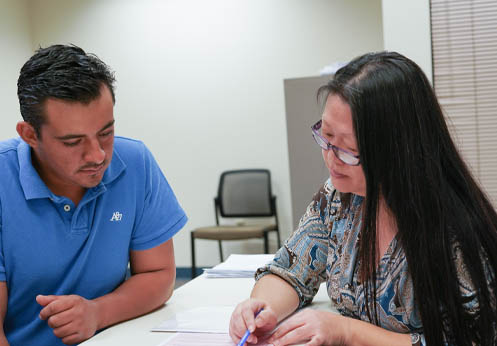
x=243, y=318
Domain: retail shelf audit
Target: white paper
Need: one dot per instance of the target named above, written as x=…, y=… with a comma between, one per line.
x=239, y=266
x=331, y=68
x=189, y=339
x=209, y=319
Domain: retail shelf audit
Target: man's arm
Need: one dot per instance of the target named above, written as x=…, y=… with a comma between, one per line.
x=150, y=286
x=3, y=310
x=75, y=319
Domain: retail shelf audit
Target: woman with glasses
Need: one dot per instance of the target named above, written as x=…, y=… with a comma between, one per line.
x=401, y=233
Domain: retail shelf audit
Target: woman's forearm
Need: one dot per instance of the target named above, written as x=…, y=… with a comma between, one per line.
x=361, y=333
x=278, y=294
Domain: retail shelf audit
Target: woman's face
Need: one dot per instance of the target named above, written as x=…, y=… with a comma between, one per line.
x=337, y=128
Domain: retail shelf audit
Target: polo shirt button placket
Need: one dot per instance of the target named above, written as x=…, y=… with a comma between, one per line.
x=67, y=207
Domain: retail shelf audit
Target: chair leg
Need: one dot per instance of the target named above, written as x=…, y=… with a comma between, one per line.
x=266, y=243
x=278, y=237
x=192, y=243
x=220, y=251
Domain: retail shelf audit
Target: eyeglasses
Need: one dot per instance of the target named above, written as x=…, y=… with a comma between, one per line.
x=343, y=155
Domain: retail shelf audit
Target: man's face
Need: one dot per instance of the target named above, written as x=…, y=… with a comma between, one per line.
x=76, y=143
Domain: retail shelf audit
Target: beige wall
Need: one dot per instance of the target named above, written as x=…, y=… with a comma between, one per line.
x=201, y=82
x=406, y=29
x=15, y=48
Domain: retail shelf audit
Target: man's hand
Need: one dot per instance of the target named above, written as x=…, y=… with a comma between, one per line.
x=72, y=317
x=3, y=341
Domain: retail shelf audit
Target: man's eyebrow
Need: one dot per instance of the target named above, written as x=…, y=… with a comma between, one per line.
x=73, y=136
x=109, y=124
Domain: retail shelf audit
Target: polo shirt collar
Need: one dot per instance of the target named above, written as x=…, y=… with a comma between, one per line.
x=115, y=169
x=31, y=183
x=34, y=187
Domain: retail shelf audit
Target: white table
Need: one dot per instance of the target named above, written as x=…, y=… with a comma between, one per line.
x=200, y=292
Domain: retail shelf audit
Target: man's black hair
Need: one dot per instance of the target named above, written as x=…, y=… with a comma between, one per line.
x=63, y=72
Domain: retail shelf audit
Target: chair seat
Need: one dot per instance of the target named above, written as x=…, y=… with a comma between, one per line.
x=232, y=232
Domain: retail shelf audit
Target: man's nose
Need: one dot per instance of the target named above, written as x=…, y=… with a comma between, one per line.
x=94, y=152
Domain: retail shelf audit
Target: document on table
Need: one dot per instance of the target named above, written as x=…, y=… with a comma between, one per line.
x=209, y=319
x=200, y=326
x=239, y=266
x=191, y=339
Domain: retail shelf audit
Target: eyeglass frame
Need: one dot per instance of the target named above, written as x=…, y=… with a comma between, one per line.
x=336, y=150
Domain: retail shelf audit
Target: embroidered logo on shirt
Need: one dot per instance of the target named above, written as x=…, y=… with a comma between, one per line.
x=117, y=216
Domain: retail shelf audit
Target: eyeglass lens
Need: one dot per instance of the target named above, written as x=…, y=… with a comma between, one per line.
x=324, y=144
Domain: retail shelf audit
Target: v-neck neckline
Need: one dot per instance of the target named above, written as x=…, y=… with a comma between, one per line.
x=388, y=253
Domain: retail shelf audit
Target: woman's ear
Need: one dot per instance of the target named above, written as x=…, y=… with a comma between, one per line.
x=27, y=133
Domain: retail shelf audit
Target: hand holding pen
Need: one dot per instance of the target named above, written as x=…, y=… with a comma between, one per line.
x=245, y=336
x=245, y=328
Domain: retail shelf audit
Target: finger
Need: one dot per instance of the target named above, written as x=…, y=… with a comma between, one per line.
x=252, y=339
x=266, y=319
x=44, y=300
x=294, y=336
x=65, y=330
x=72, y=339
x=315, y=341
x=257, y=308
x=248, y=314
x=55, y=307
x=243, y=318
x=60, y=319
x=237, y=324
x=248, y=320
x=286, y=327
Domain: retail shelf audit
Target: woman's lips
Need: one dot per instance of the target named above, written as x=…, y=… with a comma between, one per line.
x=335, y=174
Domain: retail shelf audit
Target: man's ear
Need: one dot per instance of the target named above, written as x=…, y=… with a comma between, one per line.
x=27, y=132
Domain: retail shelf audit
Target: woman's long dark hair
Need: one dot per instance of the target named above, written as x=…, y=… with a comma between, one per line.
x=409, y=159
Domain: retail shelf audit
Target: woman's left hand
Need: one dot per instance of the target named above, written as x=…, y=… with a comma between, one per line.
x=312, y=326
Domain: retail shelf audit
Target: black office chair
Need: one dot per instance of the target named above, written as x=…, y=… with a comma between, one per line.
x=241, y=194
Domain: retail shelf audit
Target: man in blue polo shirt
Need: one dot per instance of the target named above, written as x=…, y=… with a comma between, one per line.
x=76, y=205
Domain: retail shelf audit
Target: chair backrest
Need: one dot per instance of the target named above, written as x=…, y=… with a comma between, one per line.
x=245, y=193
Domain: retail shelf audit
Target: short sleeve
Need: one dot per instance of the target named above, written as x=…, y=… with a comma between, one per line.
x=161, y=215
x=422, y=340
x=302, y=260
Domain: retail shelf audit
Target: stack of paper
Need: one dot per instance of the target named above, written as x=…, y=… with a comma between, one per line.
x=209, y=319
x=239, y=266
x=208, y=325
x=191, y=339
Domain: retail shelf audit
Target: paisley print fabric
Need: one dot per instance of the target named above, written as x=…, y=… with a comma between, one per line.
x=325, y=248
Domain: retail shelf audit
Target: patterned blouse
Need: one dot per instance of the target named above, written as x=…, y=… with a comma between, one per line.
x=325, y=248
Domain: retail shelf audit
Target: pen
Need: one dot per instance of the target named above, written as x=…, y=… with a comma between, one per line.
x=245, y=336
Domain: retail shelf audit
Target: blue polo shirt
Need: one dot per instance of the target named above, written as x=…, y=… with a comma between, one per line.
x=49, y=246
